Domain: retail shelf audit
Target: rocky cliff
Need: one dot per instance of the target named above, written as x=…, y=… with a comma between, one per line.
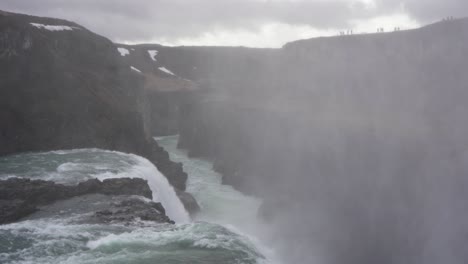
x=63, y=87
x=165, y=90
x=353, y=141
x=255, y=102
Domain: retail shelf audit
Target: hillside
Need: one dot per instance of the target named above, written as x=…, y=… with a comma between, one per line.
x=64, y=87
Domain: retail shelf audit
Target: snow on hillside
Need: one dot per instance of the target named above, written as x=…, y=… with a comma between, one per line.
x=123, y=51
x=166, y=70
x=135, y=69
x=152, y=54
x=52, y=27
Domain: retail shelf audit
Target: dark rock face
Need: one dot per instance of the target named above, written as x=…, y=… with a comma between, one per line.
x=100, y=208
x=165, y=93
x=64, y=89
x=12, y=210
x=21, y=197
x=172, y=170
x=41, y=192
x=34, y=191
x=189, y=202
x=126, y=187
x=164, y=111
x=71, y=89
x=133, y=209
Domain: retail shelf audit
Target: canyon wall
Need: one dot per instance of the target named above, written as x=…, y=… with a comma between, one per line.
x=64, y=87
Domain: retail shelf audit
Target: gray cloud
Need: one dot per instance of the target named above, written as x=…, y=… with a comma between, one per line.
x=139, y=19
x=427, y=10
x=143, y=20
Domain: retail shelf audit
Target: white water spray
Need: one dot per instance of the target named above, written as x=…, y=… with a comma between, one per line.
x=83, y=164
x=162, y=191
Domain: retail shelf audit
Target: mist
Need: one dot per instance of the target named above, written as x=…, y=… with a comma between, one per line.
x=251, y=23
x=338, y=147
x=355, y=143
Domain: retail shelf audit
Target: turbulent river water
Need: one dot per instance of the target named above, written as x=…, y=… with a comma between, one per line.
x=223, y=232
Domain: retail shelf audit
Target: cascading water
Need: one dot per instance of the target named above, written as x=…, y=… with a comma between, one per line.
x=162, y=191
x=74, y=166
x=219, y=203
x=65, y=239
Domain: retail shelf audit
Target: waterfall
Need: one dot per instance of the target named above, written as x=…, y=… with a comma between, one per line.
x=162, y=191
x=71, y=167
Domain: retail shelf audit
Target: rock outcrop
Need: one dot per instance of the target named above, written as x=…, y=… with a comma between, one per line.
x=189, y=202
x=130, y=210
x=22, y=197
x=64, y=87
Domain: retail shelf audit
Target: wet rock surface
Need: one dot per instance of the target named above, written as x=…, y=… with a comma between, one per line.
x=11, y=210
x=132, y=209
x=100, y=208
x=21, y=197
x=189, y=202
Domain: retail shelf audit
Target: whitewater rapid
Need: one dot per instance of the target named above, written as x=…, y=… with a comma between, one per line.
x=221, y=204
x=70, y=167
x=219, y=234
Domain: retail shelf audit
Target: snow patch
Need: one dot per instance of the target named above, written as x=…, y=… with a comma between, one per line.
x=163, y=69
x=152, y=54
x=123, y=51
x=135, y=69
x=52, y=27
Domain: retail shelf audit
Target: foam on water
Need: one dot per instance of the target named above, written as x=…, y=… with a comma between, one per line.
x=162, y=190
x=74, y=166
x=62, y=241
x=66, y=239
x=220, y=204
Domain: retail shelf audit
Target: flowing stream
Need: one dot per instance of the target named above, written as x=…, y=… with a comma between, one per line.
x=220, y=204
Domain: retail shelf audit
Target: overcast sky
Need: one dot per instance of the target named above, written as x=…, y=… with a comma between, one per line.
x=254, y=23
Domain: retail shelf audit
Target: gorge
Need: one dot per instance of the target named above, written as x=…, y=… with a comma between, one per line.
x=354, y=146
